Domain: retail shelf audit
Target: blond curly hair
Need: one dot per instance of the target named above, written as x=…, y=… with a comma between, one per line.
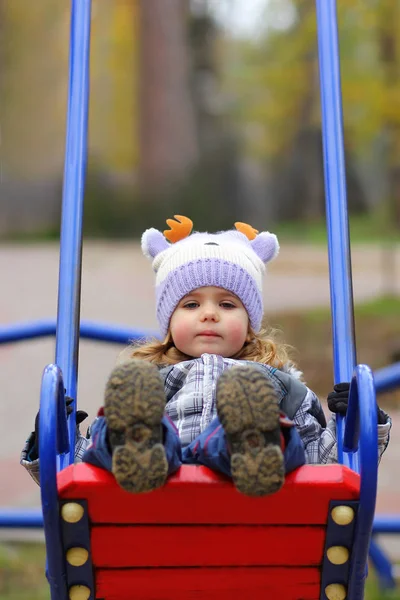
x=262, y=347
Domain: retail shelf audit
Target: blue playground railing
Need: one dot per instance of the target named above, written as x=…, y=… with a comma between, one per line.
x=341, y=289
x=69, y=291
x=88, y=330
x=361, y=434
x=386, y=378
x=53, y=444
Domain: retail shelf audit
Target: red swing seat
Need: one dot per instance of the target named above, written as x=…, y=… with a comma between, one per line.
x=208, y=541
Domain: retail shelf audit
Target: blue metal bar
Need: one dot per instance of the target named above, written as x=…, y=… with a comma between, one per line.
x=103, y=332
x=383, y=566
x=53, y=440
x=343, y=338
x=68, y=312
x=387, y=378
x=21, y=518
x=386, y=524
x=361, y=429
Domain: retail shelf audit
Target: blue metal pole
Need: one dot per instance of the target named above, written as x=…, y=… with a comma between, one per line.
x=344, y=351
x=68, y=313
x=103, y=332
x=53, y=440
x=361, y=430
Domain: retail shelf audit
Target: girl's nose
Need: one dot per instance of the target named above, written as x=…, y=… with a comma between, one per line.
x=209, y=314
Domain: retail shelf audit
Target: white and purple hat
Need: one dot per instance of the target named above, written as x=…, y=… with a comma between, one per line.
x=234, y=260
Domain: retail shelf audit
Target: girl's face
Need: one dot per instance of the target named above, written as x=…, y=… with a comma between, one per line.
x=210, y=320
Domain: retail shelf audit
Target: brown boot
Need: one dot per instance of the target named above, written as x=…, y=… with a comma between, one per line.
x=133, y=408
x=248, y=409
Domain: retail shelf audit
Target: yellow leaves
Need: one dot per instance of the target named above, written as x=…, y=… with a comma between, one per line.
x=390, y=106
x=114, y=84
x=35, y=74
x=34, y=86
x=284, y=78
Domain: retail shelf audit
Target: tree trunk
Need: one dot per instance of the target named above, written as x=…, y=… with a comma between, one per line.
x=168, y=139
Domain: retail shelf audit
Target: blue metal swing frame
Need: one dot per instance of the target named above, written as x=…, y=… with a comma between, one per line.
x=357, y=437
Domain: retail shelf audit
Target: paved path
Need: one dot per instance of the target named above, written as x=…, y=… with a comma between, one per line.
x=118, y=288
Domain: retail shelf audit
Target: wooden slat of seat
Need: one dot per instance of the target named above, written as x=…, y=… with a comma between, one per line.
x=206, y=545
x=257, y=583
x=198, y=495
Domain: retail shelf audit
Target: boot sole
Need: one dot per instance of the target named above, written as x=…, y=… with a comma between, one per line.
x=248, y=409
x=133, y=408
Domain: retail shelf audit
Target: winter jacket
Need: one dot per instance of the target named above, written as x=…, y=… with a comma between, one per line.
x=190, y=389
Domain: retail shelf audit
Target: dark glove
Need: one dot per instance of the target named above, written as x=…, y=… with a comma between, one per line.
x=339, y=399
x=81, y=415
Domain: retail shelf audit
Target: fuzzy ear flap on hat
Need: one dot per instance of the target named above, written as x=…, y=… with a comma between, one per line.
x=266, y=246
x=153, y=242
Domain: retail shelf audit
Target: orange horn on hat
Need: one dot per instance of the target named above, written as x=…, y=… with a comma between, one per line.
x=180, y=228
x=248, y=230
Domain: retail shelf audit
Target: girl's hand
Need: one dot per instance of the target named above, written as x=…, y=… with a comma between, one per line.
x=81, y=415
x=339, y=399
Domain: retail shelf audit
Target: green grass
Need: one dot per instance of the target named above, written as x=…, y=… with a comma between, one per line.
x=309, y=333
x=372, y=591
x=388, y=306
x=383, y=307
x=22, y=575
x=364, y=229
x=32, y=237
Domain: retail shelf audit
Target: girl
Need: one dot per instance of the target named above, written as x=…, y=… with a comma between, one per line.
x=216, y=391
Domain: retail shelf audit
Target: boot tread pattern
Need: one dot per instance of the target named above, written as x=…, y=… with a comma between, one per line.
x=248, y=409
x=134, y=406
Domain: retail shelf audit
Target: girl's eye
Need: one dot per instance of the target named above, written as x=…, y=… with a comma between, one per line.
x=190, y=305
x=227, y=305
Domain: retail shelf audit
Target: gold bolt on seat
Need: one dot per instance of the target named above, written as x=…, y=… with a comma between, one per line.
x=77, y=556
x=72, y=512
x=79, y=592
x=342, y=515
x=337, y=555
x=335, y=591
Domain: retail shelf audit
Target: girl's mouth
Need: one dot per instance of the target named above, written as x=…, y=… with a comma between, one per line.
x=208, y=333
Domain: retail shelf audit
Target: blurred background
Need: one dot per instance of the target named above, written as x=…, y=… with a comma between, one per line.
x=207, y=108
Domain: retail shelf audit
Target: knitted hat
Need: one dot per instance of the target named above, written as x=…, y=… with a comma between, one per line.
x=233, y=260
